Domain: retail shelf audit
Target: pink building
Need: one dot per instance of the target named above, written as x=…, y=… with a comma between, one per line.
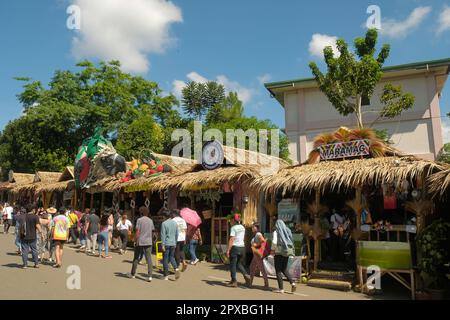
x=417, y=131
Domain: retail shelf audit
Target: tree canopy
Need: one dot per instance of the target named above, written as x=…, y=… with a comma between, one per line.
x=350, y=78
x=132, y=111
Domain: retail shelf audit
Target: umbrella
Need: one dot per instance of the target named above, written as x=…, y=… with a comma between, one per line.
x=191, y=217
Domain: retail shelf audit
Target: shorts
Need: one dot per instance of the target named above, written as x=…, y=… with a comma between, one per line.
x=59, y=242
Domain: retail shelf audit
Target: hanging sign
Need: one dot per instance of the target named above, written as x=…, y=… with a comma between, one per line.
x=212, y=155
x=348, y=149
x=288, y=210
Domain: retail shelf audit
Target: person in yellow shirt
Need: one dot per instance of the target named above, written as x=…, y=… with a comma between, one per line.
x=73, y=226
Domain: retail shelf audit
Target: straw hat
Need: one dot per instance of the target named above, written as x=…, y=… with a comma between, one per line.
x=51, y=210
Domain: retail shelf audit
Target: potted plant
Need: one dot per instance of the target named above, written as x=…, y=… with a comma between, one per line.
x=432, y=245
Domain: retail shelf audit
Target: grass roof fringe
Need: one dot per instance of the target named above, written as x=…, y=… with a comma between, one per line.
x=346, y=174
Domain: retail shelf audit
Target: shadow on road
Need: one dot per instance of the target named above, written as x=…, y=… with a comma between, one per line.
x=12, y=265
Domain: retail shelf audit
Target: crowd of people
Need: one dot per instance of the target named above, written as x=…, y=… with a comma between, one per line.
x=44, y=232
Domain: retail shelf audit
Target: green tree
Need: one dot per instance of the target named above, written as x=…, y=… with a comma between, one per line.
x=229, y=108
x=444, y=153
x=57, y=118
x=198, y=97
x=351, y=79
x=143, y=133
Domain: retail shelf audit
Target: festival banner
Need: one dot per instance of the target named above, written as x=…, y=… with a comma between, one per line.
x=348, y=149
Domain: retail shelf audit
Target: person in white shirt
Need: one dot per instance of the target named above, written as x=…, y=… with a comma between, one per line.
x=236, y=251
x=7, y=217
x=180, y=256
x=124, y=226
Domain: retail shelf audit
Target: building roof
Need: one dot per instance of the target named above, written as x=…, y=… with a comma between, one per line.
x=442, y=65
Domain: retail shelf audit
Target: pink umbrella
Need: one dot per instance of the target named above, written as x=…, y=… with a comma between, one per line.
x=191, y=217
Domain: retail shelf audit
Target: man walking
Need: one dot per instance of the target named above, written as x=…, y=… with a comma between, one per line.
x=181, y=241
x=169, y=236
x=73, y=220
x=28, y=227
x=143, y=242
x=60, y=233
x=92, y=227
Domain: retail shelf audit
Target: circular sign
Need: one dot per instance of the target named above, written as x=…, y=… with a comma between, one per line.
x=212, y=155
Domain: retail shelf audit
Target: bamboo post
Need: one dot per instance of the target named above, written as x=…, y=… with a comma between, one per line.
x=316, y=227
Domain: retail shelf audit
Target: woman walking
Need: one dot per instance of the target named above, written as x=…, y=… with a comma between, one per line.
x=259, y=252
x=283, y=247
x=43, y=238
x=104, y=236
x=194, y=238
x=124, y=227
x=236, y=251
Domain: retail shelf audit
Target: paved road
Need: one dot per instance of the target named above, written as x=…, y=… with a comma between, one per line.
x=104, y=279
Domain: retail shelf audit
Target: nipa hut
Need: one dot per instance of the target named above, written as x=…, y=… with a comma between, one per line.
x=14, y=180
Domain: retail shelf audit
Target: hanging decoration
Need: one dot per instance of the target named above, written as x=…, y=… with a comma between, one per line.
x=148, y=166
x=205, y=195
x=132, y=204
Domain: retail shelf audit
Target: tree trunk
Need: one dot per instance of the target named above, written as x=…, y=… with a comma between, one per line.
x=358, y=112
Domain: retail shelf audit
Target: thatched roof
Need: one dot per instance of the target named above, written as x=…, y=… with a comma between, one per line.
x=188, y=174
x=21, y=178
x=16, y=180
x=67, y=174
x=440, y=183
x=40, y=178
x=59, y=186
x=347, y=174
x=46, y=177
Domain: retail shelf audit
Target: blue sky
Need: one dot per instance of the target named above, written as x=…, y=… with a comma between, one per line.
x=239, y=43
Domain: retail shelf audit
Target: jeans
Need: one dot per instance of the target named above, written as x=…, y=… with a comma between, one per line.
x=138, y=252
x=73, y=234
x=169, y=255
x=281, y=263
x=83, y=238
x=236, y=257
x=124, y=238
x=26, y=246
x=179, y=252
x=103, y=240
x=91, y=242
x=192, y=247
x=17, y=242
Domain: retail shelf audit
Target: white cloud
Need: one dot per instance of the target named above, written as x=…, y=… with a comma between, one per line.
x=124, y=30
x=446, y=130
x=319, y=42
x=264, y=78
x=244, y=94
x=399, y=29
x=444, y=20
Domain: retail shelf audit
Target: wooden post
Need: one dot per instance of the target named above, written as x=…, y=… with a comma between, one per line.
x=102, y=204
x=359, y=201
x=316, y=227
x=91, y=205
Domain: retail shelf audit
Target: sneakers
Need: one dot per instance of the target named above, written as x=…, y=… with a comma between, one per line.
x=36, y=266
x=232, y=284
x=278, y=291
x=293, y=287
x=195, y=261
x=24, y=267
x=166, y=278
x=120, y=251
x=149, y=279
x=129, y=275
x=177, y=274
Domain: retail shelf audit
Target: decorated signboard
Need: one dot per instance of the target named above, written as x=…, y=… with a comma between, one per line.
x=348, y=149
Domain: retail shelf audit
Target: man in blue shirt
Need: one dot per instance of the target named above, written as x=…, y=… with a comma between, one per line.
x=169, y=236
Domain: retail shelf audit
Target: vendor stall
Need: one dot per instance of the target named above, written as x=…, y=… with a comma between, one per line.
x=355, y=188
